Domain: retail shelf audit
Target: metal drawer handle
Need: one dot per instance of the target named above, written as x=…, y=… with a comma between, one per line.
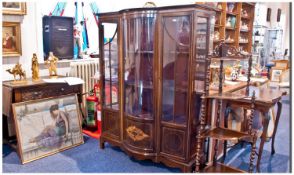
x=62, y=89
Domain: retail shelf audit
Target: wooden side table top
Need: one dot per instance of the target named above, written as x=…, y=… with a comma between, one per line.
x=264, y=96
x=14, y=92
x=240, y=85
x=29, y=82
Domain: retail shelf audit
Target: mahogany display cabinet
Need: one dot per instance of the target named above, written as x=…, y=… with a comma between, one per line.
x=153, y=67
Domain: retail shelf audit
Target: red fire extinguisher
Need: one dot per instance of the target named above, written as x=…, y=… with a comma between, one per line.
x=91, y=119
x=97, y=88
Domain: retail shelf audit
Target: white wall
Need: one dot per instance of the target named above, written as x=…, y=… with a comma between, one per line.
x=260, y=18
x=31, y=42
x=28, y=41
x=31, y=27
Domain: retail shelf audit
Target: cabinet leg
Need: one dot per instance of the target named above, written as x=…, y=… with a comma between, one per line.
x=252, y=154
x=263, y=138
x=102, y=144
x=225, y=151
x=276, y=126
x=228, y=111
x=187, y=169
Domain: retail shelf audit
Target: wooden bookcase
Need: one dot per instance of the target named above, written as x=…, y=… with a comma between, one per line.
x=230, y=22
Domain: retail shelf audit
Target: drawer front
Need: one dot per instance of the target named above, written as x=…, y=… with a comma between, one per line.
x=139, y=135
x=48, y=91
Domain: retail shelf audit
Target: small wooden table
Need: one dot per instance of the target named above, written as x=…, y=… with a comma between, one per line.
x=265, y=99
x=31, y=90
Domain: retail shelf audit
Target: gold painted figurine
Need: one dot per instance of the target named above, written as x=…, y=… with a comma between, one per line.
x=17, y=70
x=35, y=68
x=52, y=61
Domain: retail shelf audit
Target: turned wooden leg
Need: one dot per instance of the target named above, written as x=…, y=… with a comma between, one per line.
x=198, y=150
x=199, y=143
x=276, y=126
x=225, y=151
x=225, y=141
x=263, y=138
x=252, y=154
x=187, y=169
x=228, y=111
x=244, y=127
x=215, y=152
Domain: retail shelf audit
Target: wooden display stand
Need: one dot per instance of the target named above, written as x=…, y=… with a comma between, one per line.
x=240, y=37
x=250, y=98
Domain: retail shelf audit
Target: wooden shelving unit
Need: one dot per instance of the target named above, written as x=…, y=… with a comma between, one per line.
x=221, y=134
x=231, y=19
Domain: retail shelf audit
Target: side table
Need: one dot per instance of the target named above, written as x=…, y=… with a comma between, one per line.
x=31, y=90
x=265, y=99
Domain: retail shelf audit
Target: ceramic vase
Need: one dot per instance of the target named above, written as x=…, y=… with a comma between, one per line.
x=231, y=7
x=233, y=22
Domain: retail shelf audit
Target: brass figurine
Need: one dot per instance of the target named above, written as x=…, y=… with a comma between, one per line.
x=52, y=61
x=17, y=70
x=35, y=68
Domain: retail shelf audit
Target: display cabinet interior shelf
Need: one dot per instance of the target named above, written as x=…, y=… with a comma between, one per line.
x=234, y=24
x=162, y=59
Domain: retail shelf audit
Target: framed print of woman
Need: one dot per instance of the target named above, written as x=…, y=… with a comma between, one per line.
x=47, y=126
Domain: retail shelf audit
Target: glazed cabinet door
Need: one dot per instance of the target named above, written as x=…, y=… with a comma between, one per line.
x=176, y=39
x=138, y=54
x=109, y=68
x=203, y=47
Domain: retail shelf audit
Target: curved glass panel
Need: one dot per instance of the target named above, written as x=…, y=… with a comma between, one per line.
x=110, y=66
x=138, y=66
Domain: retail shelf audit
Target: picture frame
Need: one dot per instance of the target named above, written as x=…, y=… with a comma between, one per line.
x=275, y=74
x=285, y=76
x=14, y=8
x=268, y=14
x=281, y=64
x=279, y=15
x=47, y=126
x=11, y=39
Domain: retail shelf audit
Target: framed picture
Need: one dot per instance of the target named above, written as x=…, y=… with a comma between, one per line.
x=11, y=40
x=14, y=8
x=283, y=64
x=279, y=15
x=268, y=14
x=47, y=126
x=275, y=74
